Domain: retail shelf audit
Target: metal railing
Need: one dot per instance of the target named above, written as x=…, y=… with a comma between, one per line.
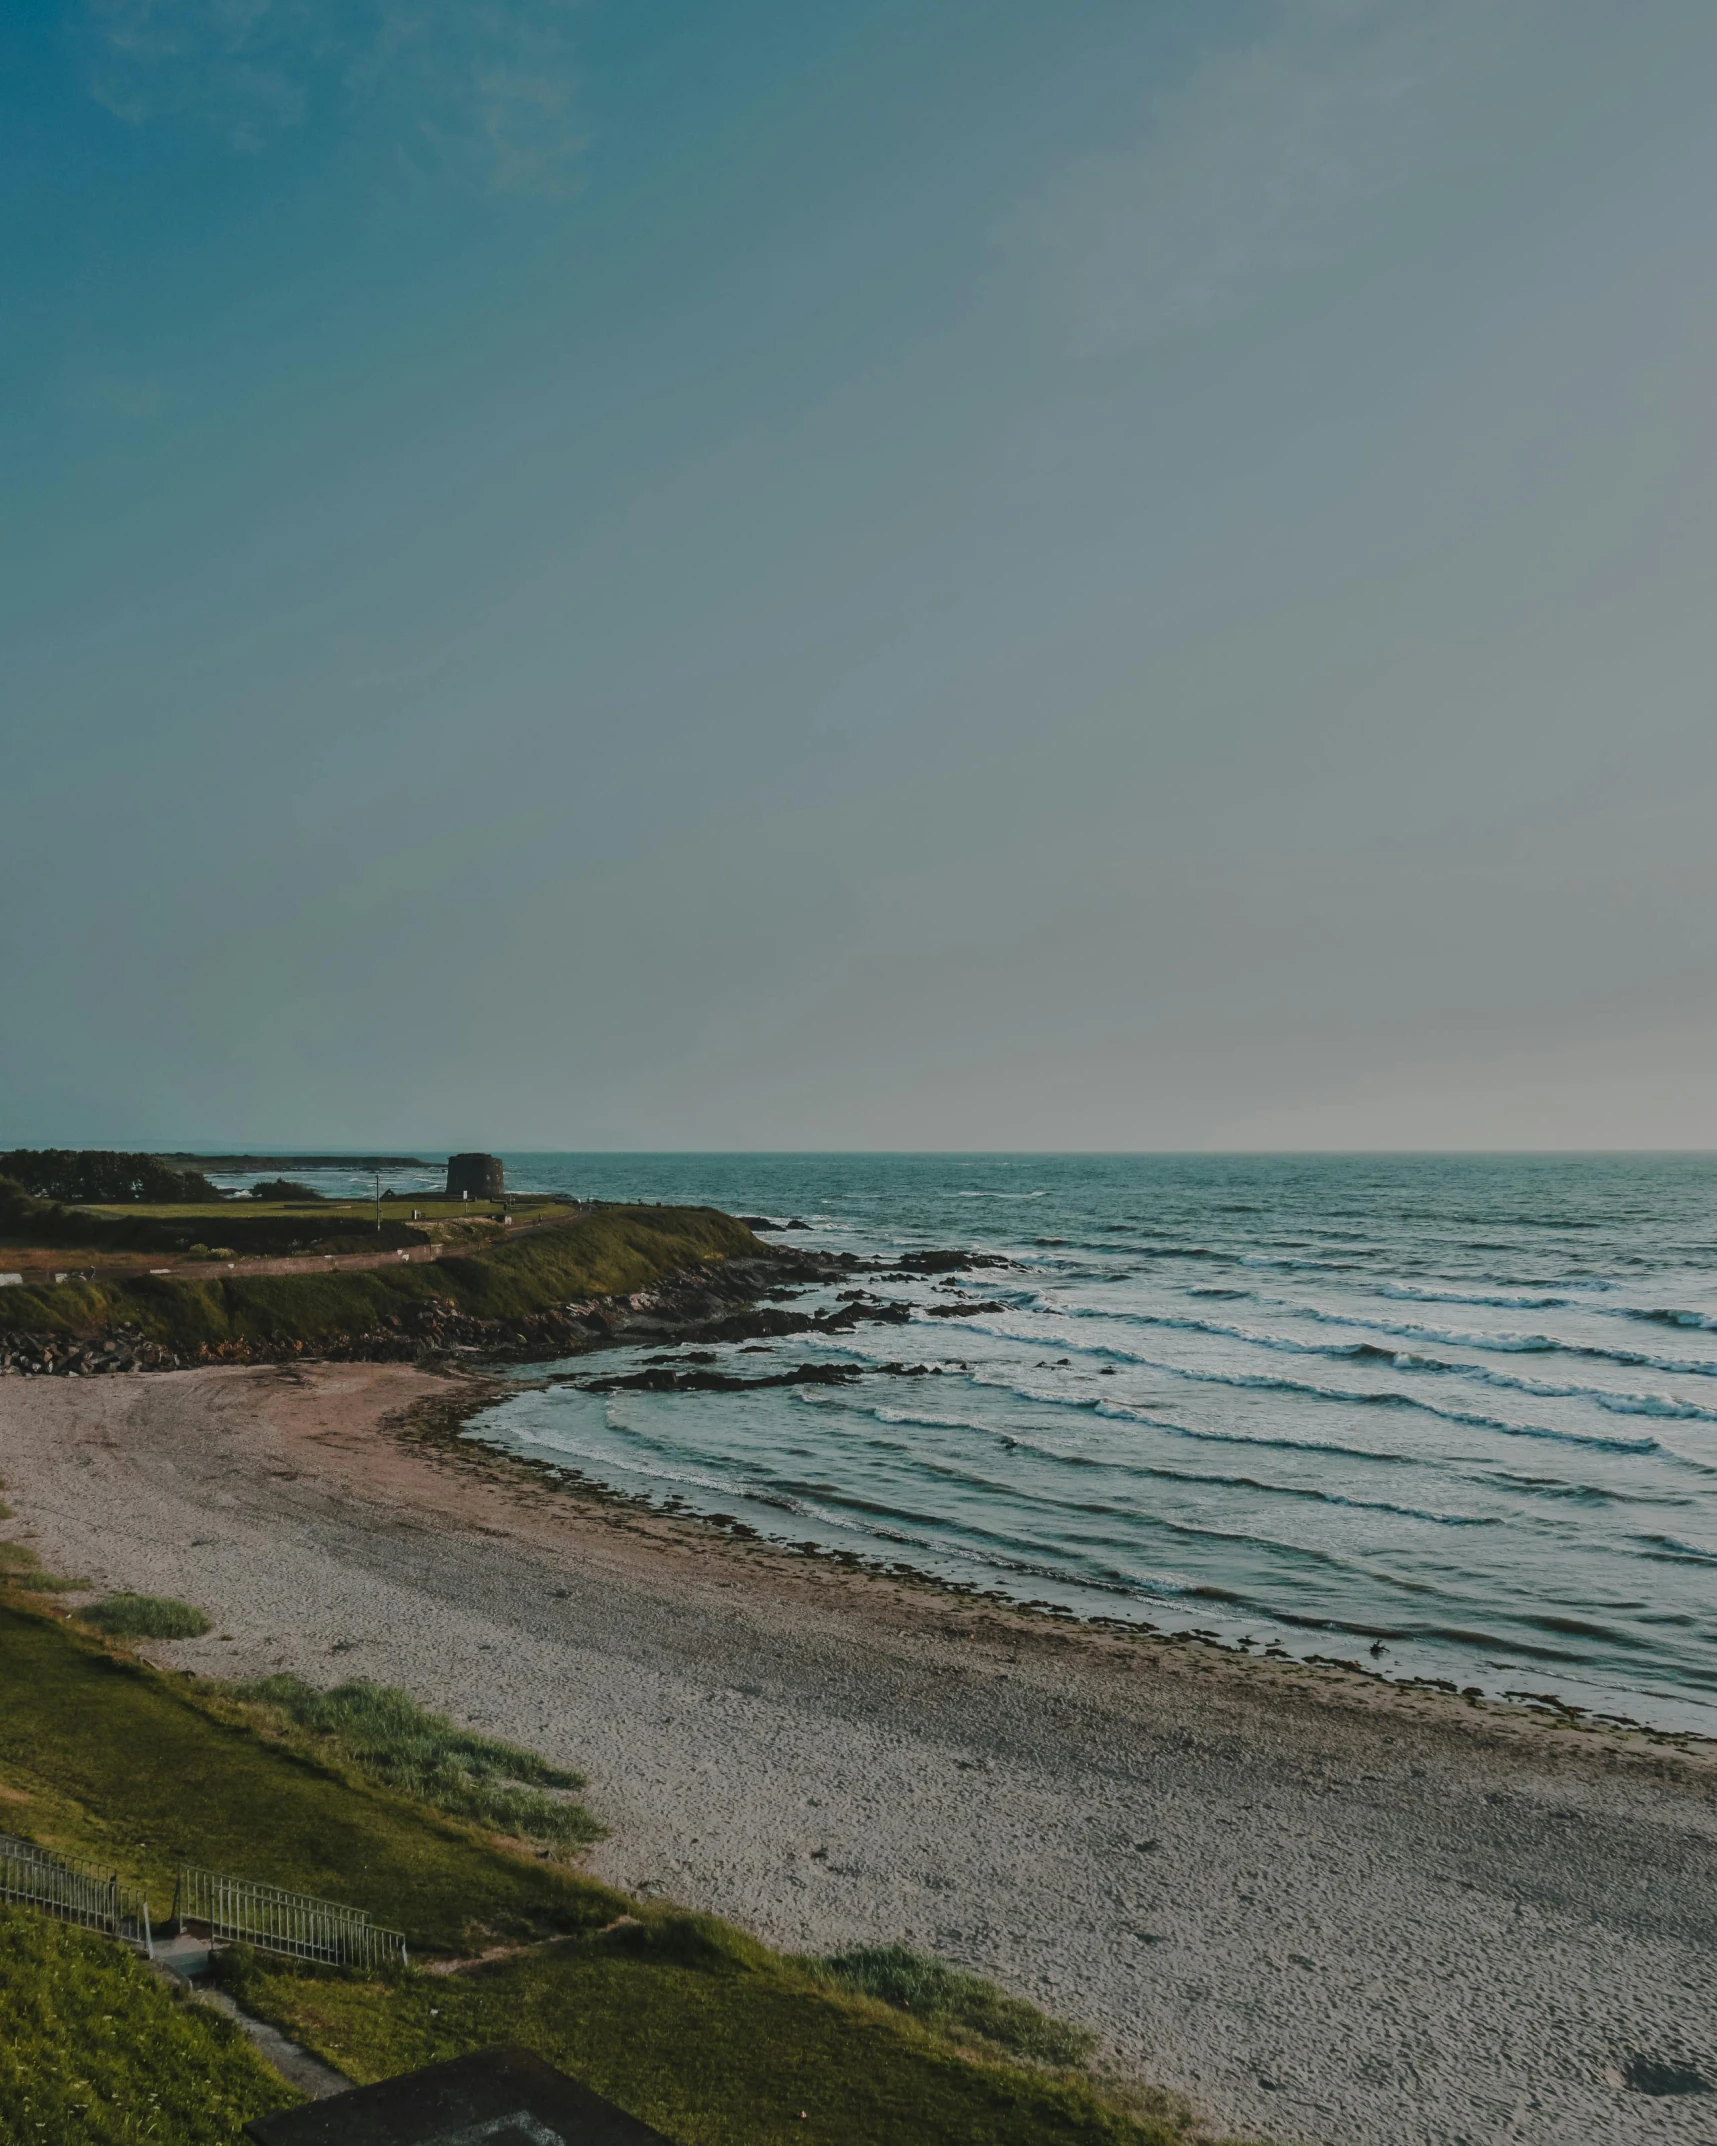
x=296, y=1924
x=74, y=1892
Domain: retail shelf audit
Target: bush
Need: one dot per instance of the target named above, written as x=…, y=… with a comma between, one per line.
x=386, y=1734
x=145, y=1617
x=283, y=1188
x=958, y=2003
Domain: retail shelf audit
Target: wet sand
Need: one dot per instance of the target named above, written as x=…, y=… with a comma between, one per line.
x=1327, y=1909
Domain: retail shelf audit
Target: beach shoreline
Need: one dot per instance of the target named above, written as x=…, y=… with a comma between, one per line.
x=1325, y=1905
x=438, y=1424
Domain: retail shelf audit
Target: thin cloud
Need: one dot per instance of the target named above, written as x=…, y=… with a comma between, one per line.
x=530, y=130
x=243, y=67
x=484, y=94
x=1268, y=159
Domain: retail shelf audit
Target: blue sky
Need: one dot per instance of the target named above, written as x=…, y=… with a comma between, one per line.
x=1116, y=576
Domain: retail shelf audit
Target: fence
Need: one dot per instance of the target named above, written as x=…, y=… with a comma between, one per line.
x=74, y=1892
x=294, y=1923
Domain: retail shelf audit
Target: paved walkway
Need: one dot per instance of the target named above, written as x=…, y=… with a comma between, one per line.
x=186, y=1961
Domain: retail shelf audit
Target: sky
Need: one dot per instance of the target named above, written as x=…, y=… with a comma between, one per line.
x=1125, y=574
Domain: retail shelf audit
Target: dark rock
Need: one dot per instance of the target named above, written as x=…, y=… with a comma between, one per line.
x=1657, y=2075
x=764, y=1322
x=659, y=1379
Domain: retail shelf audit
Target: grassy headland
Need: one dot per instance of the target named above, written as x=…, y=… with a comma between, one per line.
x=266, y=1228
x=607, y=1252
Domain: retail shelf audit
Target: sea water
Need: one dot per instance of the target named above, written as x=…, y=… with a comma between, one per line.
x=1448, y=1417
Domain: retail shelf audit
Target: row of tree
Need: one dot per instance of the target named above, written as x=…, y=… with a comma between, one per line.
x=101, y=1177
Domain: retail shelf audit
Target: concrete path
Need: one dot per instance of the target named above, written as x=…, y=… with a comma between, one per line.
x=186, y=1961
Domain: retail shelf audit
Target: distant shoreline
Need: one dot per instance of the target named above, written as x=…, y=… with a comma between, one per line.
x=301, y=1162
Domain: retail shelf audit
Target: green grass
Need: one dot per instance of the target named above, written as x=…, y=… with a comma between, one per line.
x=146, y=1617
x=960, y=2004
x=433, y=1206
x=613, y=1251
x=145, y=1772
x=680, y=2018
x=389, y=1737
x=95, y=2050
x=242, y=1229
x=707, y=2035
x=22, y=1567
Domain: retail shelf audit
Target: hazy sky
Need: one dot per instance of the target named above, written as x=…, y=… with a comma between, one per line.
x=906, y=573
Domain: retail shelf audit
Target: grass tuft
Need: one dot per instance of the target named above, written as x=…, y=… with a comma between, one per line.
x=146, y=1617
x=21, y=1566
x=958, y=2004
x=387, y=1735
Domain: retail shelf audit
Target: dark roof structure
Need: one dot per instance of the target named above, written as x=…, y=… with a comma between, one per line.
x=499, y=2097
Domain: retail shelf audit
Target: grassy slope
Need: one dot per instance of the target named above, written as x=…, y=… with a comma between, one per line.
x=94, y=2049
x=613, y=1250
x=120, y=1765
x=688, y=2022
x=718, y=2051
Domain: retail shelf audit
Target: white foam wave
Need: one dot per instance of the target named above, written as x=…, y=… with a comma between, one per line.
x=1606, y=1397
x=1443, y=1336
x=1275, y=1382
x=1515, y=1302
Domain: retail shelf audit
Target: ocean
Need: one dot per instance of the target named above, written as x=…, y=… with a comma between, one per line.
x=1448, y=1417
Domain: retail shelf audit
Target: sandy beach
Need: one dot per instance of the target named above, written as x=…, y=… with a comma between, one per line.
x=1326, y=1909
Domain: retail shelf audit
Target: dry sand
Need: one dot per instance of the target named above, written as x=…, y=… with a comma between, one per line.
x=1326, y=1910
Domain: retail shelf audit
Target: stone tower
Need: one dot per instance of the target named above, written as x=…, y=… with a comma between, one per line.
x=475, y=1177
